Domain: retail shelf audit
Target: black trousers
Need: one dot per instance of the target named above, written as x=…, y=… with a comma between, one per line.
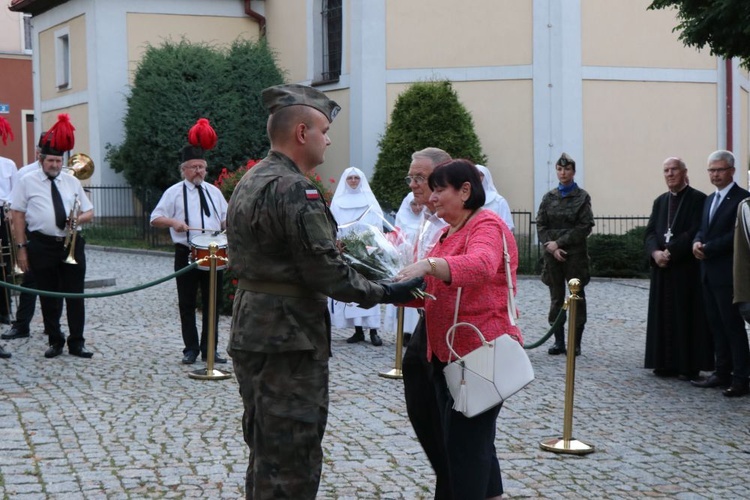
x=422, y=407
x=26, y=303
x=187, y=292
x=46, y=255
x=7, y=269
x=470, y=445
x=728, y=331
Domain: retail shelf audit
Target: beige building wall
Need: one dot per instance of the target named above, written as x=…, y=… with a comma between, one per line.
x=154, y=29
x=337, y=155
x=631, y=128
x=286, y=30
x=443, y=33
x=11, y=36
x=625, y=33
x=78, y=59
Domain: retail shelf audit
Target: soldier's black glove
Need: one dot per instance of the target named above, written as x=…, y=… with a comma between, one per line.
x=401, y=292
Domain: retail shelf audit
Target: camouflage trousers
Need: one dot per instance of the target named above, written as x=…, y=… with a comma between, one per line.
x=556, y=274
x=285, y=396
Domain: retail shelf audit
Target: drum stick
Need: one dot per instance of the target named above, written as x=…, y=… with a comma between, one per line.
x=201, y=230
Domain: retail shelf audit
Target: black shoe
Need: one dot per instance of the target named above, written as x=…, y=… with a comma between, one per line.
x=5, y=319
x=4, y=354
x=712, y=381
x=556, y=349
x=736, y=390
x=578, y=350
x=189, y=358
x=357, y=337
x=375, y=339
x=407, y=338
x=81, y=352
x=14, y=333
x=685, y=377
x=217, y=359
x=53, y=351
x=665, y=372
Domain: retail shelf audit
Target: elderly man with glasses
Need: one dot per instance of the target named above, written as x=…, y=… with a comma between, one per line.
x=421, y=404
x=191, y=208
x=713, y=247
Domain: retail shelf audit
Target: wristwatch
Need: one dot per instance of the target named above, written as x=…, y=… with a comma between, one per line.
x=22, y=245
x=433, y=265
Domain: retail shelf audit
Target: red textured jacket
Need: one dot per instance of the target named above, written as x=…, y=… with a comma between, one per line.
x=475, y=257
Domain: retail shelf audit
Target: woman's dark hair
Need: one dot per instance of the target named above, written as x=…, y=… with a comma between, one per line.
x=454, y=173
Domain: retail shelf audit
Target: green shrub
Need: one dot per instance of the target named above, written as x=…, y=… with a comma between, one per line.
x=619, y=256
x=427, y=114
x=178, y=83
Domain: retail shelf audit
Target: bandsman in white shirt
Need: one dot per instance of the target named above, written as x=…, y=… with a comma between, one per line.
x=189, y=209
x=46, y=200
x=7, y=177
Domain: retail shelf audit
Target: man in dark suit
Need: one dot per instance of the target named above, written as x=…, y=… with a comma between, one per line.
x=713, y=246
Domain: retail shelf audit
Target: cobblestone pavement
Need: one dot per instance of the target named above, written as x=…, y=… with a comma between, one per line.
x=130, y=423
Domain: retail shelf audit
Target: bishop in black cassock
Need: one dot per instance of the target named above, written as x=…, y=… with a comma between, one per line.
x=678, y=341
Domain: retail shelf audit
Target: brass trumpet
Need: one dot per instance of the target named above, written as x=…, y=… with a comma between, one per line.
x=71, y=231
x=80, y=166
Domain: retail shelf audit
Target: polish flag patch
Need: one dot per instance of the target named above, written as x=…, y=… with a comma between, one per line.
x=312, y=194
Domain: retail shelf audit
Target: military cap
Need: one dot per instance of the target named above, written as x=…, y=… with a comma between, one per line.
x=281, y=96
x=565, y=160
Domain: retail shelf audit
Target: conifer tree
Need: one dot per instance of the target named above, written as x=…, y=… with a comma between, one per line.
x=427, y=114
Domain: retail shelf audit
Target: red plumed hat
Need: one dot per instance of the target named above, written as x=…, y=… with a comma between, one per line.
x=5, y=130
x=201, y=137
x=59, y=138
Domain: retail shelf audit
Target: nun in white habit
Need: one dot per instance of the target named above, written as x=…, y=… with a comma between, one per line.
x=352, y=198
x=494, y=200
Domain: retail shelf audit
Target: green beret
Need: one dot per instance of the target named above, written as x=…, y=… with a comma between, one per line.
x=281, y=96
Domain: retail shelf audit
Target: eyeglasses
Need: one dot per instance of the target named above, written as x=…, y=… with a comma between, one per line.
x=195, y=168
x=716, y=170
x=418, y=179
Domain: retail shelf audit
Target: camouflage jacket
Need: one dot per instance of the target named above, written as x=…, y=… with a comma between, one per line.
x=279, y=230
x=568, y=220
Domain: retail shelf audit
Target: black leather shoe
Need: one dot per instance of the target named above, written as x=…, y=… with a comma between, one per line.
x=712, y=381
x=375, y=339
x=736, y=390
x=357, y=337
x=578, y=350
x=4, y=354
x=556, y=349
x=189, y=358
x=81, y=353
x=53, y=351
x=217, y=359
x=5, y=319
x=14, y=333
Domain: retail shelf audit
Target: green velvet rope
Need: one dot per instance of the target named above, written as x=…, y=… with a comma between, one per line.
x=111, y=293
x=559, y=321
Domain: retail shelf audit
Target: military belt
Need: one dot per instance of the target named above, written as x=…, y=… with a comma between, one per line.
x=282, y=289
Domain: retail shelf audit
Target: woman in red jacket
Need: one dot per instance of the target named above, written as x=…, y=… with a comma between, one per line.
x=469, y=254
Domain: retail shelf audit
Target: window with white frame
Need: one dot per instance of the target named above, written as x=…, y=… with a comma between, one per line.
x=62, y=58
x=328, y=43
x=26, y=30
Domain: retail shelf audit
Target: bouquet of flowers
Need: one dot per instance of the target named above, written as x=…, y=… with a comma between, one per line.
x=376, y=256
x=368, y=251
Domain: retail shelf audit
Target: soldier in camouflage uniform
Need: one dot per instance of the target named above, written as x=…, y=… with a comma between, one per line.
x=282, y=245
x=564, y=221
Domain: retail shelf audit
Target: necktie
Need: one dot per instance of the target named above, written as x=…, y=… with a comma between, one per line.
x=204, y=205
x=714, y=206
x=60, y=217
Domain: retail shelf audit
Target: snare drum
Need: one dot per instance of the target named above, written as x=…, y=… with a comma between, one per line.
x=199, y=249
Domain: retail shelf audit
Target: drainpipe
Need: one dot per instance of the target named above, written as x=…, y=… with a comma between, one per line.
x=258, y=18
x=730, y=105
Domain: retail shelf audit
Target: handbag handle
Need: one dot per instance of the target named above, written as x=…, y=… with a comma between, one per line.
x=450, y=334
x=512, y=310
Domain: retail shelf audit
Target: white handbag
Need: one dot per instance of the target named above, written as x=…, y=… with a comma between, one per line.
x=491, y=373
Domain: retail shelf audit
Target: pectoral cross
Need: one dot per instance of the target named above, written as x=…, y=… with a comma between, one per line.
x=668, y=235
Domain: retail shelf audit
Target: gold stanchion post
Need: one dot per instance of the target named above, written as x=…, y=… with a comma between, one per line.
x=567, y=444
x=209, y=373
x=396, y=372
